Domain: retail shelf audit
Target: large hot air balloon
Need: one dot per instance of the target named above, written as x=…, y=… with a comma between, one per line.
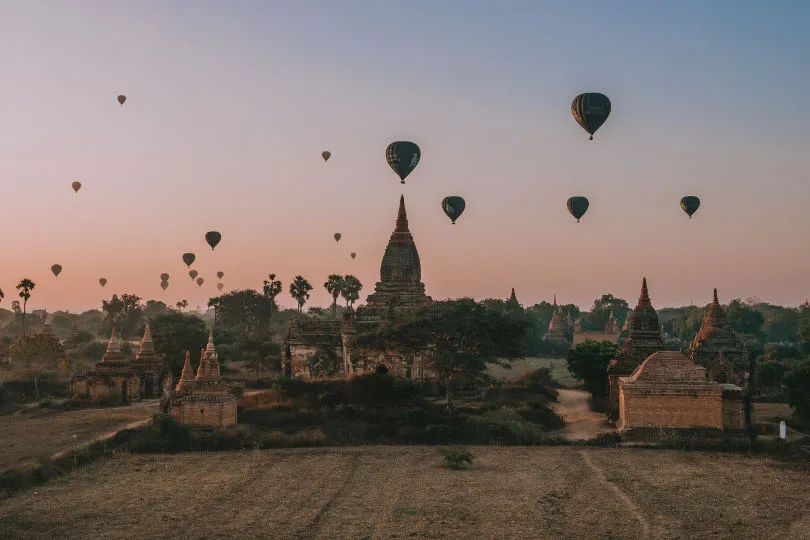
x=220, y=286
x=403, y=157
x=122, y=98
x=76, y=186
x=193, y=273
x=453, y=206
x=189, y=258
x=354, y=255
x=56, y=269
x=590, y=111
x=213, y=238
x=164, y=277
x=577, y=206
x=337, y=236
x=102, y=281
x=690, y=204
x=200, y=281
x=220, y=275
x=326, y=154
x=164, y=285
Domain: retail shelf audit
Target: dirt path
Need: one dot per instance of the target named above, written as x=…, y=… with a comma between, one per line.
x=27, y=440
x=581, y=422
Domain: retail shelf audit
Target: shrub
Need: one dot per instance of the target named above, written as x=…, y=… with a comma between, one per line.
x=456, y=458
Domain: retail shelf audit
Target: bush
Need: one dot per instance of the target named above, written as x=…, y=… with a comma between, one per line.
x=456, y=458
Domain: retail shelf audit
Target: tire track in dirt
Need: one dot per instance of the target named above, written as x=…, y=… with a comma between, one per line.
x=632, y=508
x=313, y=527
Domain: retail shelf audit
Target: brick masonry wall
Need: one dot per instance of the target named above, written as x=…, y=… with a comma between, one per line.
x=205, y=414
x=677, y=411
x=733, y=413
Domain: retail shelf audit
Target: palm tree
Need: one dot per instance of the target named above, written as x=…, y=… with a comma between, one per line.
x=272, y=289
x=334, y=286
x=299, y=289
x=351, y=289
x=25, y=286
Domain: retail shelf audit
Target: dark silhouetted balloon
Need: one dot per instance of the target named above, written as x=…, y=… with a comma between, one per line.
x=354, y=255
x=56, y=269
x=690, y=204
x=590, y=111
x=189, y=258
x=102, y=281
x=453, y=206
x=193, y=273
x=220, y=286
x=164, y=277
x=326, y=154
x=122, y=98
x=220, y=275
x=337, y=236
x=164, y=285
x=213, y=238
x=403, y=157
x=200, y=281
x=577, y=206
x=76, y=186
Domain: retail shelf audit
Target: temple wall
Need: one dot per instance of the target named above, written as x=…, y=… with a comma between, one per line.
x=300, y=355
x=97, y=389
x=204, y=414
x=653, y=409
x=733, y=413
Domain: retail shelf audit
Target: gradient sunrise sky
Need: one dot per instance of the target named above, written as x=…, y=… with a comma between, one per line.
x=230, y=104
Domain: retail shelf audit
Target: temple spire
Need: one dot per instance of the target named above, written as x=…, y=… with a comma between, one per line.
x=113, y=352
x=512, y=297
x=147, y=348
x=555, y=299
x=210, y=345
x=644, y=297
x=402, y=216
x=715, y=297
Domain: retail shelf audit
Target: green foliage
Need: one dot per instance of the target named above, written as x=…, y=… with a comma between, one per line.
x=299, y=289
x=334, y=286
x=259, y=352
x=456, y=458
x=686, y=325
x=351, y=289
x=744, y=319
x=124, y=313
x=175, y=333
x=797, y=387
x=588, y=362
x=242, y=311
x=597, y=317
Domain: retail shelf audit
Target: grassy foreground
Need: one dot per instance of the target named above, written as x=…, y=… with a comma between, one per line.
x=405, y=492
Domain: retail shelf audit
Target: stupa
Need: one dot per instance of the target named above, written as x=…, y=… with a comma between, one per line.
x=111, y=380
x=558, y=328
x=152, y=370
x=718, y=349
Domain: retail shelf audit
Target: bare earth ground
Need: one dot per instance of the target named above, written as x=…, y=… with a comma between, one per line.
x=581, y=422
x=25, y=439
x=404, y=492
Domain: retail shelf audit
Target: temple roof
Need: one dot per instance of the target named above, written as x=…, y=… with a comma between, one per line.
x=715, y=335
x=400, y=262
x=113, y=354
x=146, y=350
x=643, y=337
x=209, y=361
x=512, y=297
x=187, y=376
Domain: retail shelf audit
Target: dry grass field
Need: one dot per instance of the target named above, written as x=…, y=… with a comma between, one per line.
x=557, y=366
x=29, y=438
x=404, y=492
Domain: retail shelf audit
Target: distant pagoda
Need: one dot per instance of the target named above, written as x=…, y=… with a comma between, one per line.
x=717, y=348
x=558, y=328
x=111, y=380
x=153, y=371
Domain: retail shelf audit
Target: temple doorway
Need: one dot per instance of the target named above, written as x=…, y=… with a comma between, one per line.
x=381, y=370
x=124, y=391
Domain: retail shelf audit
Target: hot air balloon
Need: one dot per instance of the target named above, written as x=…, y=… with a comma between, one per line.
x=403, y=157
x=213, y=238
x=193, y=273
x=122, y=98
x=453, y=206
x=690, y=204
x=200, y=281
x=577, y=206
x=220, y=275
x=164, y=285
x=189, y=258
x=354, y=255
x=590, y=111
x=337, y=236
x=326, y=154
x=164, y=277
x=220, y=286
x=76, y=186
x=56, y=269
x=102, y=281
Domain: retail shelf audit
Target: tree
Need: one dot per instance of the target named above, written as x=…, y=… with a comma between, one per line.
x=175, y=333
x=272, y=289
x=182, y=304
x=153, y=308
x=299, y=289
x=241, y=311
x=25, y=286
x=797, y=387
x=38, y=353
x=463, y=336
x=124, y=313
x=782, y=325
x=351, y=289
x=2, y=295
x=599, y=314
x=744, y=319
x=259, y=352
x=334, y=286
x=687, y=325
x=588, y=363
